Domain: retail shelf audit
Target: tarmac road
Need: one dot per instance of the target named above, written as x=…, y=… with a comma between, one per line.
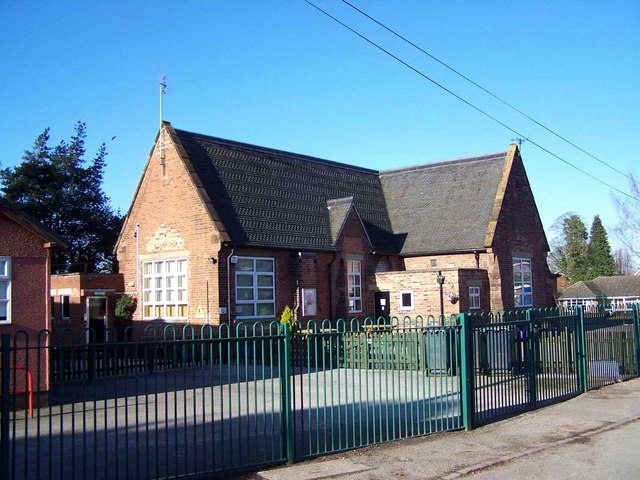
x=593, y=436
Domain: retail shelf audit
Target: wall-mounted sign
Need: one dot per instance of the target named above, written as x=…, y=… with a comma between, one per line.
x=309, y=302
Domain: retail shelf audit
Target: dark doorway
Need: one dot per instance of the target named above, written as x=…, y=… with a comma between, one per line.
x=96, y=319
x=382, y=306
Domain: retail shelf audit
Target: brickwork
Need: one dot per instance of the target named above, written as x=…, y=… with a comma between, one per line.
x=519, y=233
x=172, y=223
x=29, y=301
x=425, y=289
x=78, y=286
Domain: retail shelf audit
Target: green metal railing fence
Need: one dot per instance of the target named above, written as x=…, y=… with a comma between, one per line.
x=186, y=402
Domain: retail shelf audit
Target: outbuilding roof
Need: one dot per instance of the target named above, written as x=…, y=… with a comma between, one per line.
x=608, y=287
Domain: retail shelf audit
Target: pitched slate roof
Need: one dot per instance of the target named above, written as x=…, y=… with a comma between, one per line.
x=618, y=286
x=267, y=197
x=271, y=198
x=446, y=206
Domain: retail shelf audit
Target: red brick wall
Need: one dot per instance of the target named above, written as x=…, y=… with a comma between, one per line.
x=173, y=223
x=519, y=232
x=29, y=306
x=78, y=286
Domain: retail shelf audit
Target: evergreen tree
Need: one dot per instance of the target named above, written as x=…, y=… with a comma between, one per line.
x=601, y=260
x=570, y=253
x=54, y=186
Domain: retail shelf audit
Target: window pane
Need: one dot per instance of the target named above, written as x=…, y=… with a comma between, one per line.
x=171, y=311
x=158, y=282
x=3, y=310
x=265, y=294
x=182, y=281
x=147, y=297
x=170, y=266
x=158, y=267
x=182, y=295
x=244, y=294
x=265, y=309
x=244, y=310
x=169, y=295
x=158, y=295
x=147, y=268
x=406, y=299
x=169, y=282
x=244, y=265
x=146, y=282
x=245, y=280
x=265, y=280
x=4, y=290
x=264, y=265
x=182, y=266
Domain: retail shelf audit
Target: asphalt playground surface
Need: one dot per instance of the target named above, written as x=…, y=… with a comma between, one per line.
x=592, y=436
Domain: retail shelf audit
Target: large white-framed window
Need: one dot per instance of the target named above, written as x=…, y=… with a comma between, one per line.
x=354, y=285
x=406, y=300
x=474, y=297
x=255, y=288
x=164, y=284
x=5, y=290
x=522, y=282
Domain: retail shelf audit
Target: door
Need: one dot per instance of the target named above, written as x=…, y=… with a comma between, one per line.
x=96, y=319
x=382, y=306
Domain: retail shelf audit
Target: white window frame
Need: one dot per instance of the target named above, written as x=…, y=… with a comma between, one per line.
x=5, y=276
x=62, y=303
x=165, y=289
x=354, y=285
x=522, y=289
x=474, y=297
x=402, y=305
x=260, y=282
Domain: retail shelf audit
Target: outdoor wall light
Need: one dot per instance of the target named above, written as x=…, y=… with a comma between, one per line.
x=212, y=260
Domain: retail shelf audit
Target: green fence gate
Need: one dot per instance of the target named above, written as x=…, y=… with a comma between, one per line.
x=187, y=402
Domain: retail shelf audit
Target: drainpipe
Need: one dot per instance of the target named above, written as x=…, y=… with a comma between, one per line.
x=137, y=235
x=297, y=294
x=330, y=287
x=229, y=286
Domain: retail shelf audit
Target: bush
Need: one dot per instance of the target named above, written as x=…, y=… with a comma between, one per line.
x=125, y=306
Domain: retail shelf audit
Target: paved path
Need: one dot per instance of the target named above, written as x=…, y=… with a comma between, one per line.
x=595, y=435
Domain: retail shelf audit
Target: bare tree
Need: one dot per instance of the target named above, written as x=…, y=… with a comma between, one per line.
x=628, y=229
x=624, y=265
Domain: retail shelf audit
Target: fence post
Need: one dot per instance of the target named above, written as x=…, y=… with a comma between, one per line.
x=285, y=395
x=467, y=392
x=636, y=335
x=5, y=349
x=532, y=360
x=581, y=351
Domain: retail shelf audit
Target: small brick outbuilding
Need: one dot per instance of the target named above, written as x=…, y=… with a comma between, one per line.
x=25, y=271
x=221, y=231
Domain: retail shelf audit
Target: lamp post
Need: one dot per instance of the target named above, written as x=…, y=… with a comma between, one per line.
x=440, y=280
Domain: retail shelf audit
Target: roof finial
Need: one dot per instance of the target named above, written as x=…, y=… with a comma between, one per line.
x=519, y=141
x=163, y=87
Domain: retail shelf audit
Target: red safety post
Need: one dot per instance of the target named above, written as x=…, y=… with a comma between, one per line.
x=28, y=390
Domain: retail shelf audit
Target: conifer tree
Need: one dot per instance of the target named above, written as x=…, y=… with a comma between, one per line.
x=601, y=261
x=59, y=188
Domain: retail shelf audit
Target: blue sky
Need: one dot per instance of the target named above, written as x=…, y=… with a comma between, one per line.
x=282, y=75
